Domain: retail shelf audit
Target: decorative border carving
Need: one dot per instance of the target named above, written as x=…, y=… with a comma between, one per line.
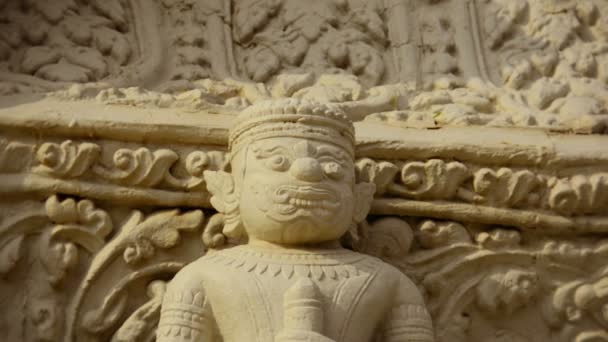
x=487, y=212
x=530, y=197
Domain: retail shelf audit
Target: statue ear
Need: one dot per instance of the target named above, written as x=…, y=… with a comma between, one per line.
x=225, y=200
x=364, y=194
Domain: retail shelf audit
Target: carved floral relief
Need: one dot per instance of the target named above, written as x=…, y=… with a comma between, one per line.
x=496, y=63
x=97, y=219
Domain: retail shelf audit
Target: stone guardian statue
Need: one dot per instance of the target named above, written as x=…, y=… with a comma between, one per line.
x=291, y=195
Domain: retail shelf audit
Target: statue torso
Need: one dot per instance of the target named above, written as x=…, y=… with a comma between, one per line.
x=245, y=287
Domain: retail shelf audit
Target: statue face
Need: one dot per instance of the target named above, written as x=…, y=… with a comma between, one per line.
x=295, y=191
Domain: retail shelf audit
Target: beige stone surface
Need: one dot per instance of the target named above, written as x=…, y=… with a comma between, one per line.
x=481, y=124
x=291, y=196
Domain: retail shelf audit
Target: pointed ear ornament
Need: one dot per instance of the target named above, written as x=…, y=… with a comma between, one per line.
x=364, y=195
x=225, y=200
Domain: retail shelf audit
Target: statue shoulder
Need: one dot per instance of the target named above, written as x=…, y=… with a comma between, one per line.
x=386, y=270
x=409, y=318
x=186, y=313
x=408, y=292
x=405, y=289
x=196, y=274
x=204, y=271
x=189, y=279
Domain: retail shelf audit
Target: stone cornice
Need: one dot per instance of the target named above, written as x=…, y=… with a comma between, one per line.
x=498, y=146
x=530, y=179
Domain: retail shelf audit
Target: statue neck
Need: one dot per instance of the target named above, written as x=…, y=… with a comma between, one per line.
x=328, y=245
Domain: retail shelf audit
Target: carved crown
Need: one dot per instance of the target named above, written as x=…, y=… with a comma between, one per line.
x=293, y=118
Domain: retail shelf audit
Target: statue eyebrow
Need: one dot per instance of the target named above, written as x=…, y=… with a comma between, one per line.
x=332, y=152
x=265, y=152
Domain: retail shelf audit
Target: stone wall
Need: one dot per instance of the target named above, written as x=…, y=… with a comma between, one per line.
x=481, y=123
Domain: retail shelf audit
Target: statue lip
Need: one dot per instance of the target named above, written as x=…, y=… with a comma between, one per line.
x=305, y=200
x=293, y=193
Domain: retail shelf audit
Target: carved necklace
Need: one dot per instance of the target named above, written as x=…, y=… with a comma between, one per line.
x=335, y=264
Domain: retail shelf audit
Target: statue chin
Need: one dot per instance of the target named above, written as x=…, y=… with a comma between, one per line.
x=289, y=214
x=303, y=228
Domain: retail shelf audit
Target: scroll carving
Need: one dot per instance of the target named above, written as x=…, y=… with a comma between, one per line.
x=14, y=156
x=494, y=188
x=504, y=64
x=512, y=285
x=434, y=251
x=65, y=41
x=67, y=159
x=115, y=175
x=526, y=193
x=141, y=167
x=284, y=35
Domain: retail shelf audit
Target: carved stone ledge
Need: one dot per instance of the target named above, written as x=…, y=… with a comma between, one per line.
x=517, y=177
x=112, y=110
x=516, y=203
x=534, y=221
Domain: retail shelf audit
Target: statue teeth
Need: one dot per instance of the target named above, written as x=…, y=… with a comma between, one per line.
x=313, y=204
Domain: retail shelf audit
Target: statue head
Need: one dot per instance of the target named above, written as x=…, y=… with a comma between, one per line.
x=293, y=175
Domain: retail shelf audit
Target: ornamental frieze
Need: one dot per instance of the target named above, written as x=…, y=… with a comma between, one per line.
x=286, y=170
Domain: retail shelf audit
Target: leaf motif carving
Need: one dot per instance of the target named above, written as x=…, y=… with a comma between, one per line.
x=111, y=42
x=143, y=321
x=141, y=167
x=504, y=187
x=557, y=29
x=388, y=237
x=107, y=315
x=76, y=223
x=10, y=253
x=54, y=11
x=64, y=72
x=436, y=234
x=159, y=230
x=13, y=231
x=578, y=302
x=79, y=222
x=78, y=30
x=88, y=58
x=369, y=18
x=37, y=57
x=196, y=163
x=67, y=160
x=434, y=179
x=505, y=292
x=380, y=173
x=252, y=16
x=14, y=156
x=58, y=258
x=141, y=325
x=139, y=236
x=579, y=194
x=112, y=9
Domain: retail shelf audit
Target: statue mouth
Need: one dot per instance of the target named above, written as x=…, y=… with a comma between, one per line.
x=304, y=201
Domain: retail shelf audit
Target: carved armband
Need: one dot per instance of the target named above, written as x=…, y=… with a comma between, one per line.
x=185, y=316
x=409, y=323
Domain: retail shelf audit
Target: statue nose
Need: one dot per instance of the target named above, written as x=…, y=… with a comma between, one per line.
x=307, y=169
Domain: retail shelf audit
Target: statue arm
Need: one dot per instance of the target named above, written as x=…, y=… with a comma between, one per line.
x=185, y=314
x=409, y=320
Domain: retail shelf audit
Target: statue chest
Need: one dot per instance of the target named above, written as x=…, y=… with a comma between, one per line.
x=254, y=300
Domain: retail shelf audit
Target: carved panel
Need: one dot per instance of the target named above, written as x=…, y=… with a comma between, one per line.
x=401, y=63
x=90, y=235
x=112, y=110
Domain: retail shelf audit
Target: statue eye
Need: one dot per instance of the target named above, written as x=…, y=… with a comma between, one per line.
x=278, y=163
x=333, y=170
